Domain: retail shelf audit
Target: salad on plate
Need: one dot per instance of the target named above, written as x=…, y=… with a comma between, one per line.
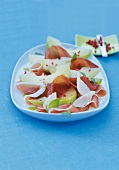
x=60, y=81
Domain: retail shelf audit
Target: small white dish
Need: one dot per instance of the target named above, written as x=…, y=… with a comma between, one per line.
x=18, y=100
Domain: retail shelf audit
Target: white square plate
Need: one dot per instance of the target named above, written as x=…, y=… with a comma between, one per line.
x=17, y=98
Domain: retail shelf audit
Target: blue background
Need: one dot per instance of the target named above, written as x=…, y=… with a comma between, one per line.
x=31, y=144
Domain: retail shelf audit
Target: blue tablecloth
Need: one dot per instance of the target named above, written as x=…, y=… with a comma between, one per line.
x=27, y=143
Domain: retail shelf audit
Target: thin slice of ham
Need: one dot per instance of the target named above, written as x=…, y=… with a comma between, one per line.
x=91, y=64
x=62, y=52
x=48, y=91
x=91, y=86
x=78, y=63
x=94, y=101
x=36, y=94
x=60, y=85
x=28, y=87
x=100, y=91
x=68, y=108
x=54, y=52
x=37, y=68
x=81, y=104
x=74, y=109
x=60, y=109
x=73, y=81
x=41, y=109
x=39, y=71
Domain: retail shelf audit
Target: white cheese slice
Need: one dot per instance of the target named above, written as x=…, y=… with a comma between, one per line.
x=60, y=70
x=50, y=98
x=74, y=73
x=31, y=77
x=84, y=100
x=90, y=72
x=39, y=92
x=34, y=58
x=81, y=86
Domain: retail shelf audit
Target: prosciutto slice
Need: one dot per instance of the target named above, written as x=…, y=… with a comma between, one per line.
x=73, y=81
x=78, y=63
x=38, y=69
x=60, y=109
x=41, y=109
x=94, y=102
x=91, y=64
x=100, y=91
x=81, y=104
x=48, y=91
x=54, y=52
x=68, y=108
x=60, y=85
x=27, y=87
x=91, y=86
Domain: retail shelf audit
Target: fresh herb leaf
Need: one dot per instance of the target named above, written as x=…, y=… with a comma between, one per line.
x=32, y=108
x=24, y=95
x=47, y=108
x=26, y=69
x=98, y=80
x=83, y=74
x=37, y=53
x=93, y=80
x=66, y=113
x=74, y=56
x=54, y=103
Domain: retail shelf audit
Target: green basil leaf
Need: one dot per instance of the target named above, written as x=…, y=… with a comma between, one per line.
x=32, y=108
x=26, y=69
x=37, y=53
x=74, y=56
x=93, y=80
x=98, y=80
x=23, y=94
x=83, y=74
x=54, y=103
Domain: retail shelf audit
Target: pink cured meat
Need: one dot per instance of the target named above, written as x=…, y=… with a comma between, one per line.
x=28, y=88
x=54, y=52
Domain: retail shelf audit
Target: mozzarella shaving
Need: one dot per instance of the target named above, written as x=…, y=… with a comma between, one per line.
x=60, y=70
x=81, y=86
x=84, y=100
x=35, y=58
x=50, y=98
x=31, y=77
x=90, y=72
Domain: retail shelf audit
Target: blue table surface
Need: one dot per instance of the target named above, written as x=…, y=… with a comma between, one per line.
x=27, y=143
